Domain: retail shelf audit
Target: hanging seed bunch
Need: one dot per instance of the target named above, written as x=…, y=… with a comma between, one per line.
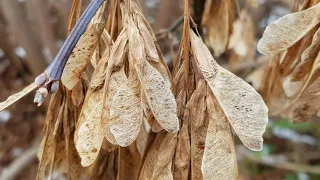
x=118, y=113
x=229, y=31
x=127, y=84
x=210, y=101
x=290, y=82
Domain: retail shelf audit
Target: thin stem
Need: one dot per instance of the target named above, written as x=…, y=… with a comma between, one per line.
x=186, y=42
x=55, y=69
x=49, y=80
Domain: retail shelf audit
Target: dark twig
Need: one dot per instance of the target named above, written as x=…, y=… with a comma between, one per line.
x=48, y=81
x=173, y=28
x=175, y=25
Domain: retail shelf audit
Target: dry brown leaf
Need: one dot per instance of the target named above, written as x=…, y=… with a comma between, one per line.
x=95, y=57
x=150, y=47
x=219, y=158
x=88, y=134
x=15, y=97
x=116, y=57
x=111, y=75
x=104, y=167
x=99, y=75
x=74, y=167
x=158, y=156
x=79, y=58
x=300, y=88
x=242, y=105
x=217, y=19
x=157, y=91
x=196, y=107
x=47, y=145
x=292, y=56
x=166, y=173
x=255, y=78
x=129, y=162
x=298, y=106
x=154, y=124
x=113, y=82
x=126, y=111
x=291, y=89
x=307, y=58
x=83, y=51
x=143, y=137
x=287, y=30
x=77, y=95
x=242, y=39
x=307, y=106
x=182, y=154
x=160, y=98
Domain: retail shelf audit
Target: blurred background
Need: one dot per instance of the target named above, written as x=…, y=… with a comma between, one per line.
x=32, y=31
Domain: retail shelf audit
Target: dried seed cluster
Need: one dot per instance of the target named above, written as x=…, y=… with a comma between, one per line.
x=289, y=77
x=129, y=119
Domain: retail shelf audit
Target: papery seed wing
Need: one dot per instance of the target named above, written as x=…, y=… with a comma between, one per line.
x=114, y=81
x=166, y=173
x=217, y=18
x=117, y=55
x=306, y=107
x=196, y=108
x=129, y=162
x=79, y=58
x=83, y=51
x=150, y=47
x=155, y=126
x=126, y=112
x=15, y=97
x=88, y=134
x=90, y=137
x=46, y=146
x=182, y=154
x=242, y=105
x=160, y=98
x=287, y=30
x=219, y=158
x=307, y=58
x=158, y=155
x=157, y=91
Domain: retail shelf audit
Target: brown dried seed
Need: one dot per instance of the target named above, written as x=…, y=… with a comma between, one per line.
x=15, y=97
x=90, y=136
x=157, y=91
x=219, y=158
x=307, y=58
x=218, y=17
x=287, y=30
x=83, y=51
x=242, y=105
x=126, y=111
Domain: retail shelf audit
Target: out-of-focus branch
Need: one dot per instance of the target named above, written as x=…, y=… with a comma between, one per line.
x=24, y=35
x=39, y=11
x=20, y=163
x=163, y=33
x=7, y=46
